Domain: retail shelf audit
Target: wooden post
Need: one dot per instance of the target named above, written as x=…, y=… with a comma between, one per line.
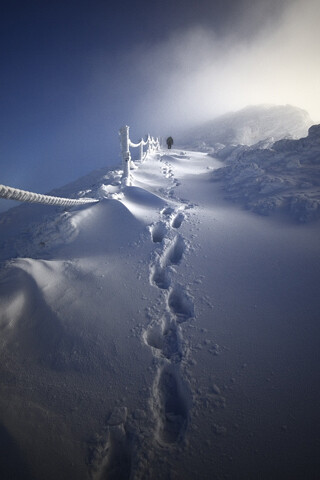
x=125, y=151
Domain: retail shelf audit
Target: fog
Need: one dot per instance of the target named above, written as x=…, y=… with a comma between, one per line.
x=196, y=75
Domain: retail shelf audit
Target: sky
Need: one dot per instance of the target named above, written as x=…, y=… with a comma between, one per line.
x=73, y=72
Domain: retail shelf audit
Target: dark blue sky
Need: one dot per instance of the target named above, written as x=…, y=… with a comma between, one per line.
x=72, y=72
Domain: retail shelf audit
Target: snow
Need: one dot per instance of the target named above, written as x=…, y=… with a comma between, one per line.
x=163, y=332
x=282, y=177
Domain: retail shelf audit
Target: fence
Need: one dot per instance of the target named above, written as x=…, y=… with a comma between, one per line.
x=126, y=143
x=12, y=193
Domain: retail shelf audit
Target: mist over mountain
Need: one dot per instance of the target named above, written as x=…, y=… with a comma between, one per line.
x=248, y=126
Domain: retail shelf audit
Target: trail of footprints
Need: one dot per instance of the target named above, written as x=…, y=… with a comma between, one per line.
x=170, y=396
x=111, y=452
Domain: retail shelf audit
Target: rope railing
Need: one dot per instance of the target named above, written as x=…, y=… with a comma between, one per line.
x=126, y=143
x=12, y=193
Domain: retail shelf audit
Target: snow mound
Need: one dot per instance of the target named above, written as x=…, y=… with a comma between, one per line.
x=37, y=230
x=283, y=177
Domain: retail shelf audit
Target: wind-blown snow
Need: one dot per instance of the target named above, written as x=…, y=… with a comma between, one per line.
x=160, y=333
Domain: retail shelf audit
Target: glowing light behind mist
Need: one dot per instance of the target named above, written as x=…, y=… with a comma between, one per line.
x=195, y=76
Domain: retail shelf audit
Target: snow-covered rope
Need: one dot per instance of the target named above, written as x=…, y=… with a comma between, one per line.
x=25, y=196
x=126, y=143
x=137, y=144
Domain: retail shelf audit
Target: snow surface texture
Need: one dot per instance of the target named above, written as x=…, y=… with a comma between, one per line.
x=160, y=333
x=283, y=176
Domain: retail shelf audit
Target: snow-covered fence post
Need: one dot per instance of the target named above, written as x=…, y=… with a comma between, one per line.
x=125, y=151
x=141, y=150
x=149, y=143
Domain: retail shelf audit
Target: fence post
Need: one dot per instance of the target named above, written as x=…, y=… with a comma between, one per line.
x=141, y=150
x=125, y=151
x=149, y=143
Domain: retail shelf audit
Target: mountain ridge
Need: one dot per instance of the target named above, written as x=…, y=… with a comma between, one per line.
x=248, y=126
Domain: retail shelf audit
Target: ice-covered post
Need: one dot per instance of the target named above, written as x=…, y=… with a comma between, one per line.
x=125, y=151
x=149, y=143
x=141, y=150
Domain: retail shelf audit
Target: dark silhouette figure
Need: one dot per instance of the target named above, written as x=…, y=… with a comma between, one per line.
x=169, y=142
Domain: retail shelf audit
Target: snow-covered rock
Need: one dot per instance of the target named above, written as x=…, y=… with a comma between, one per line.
x=283, y=177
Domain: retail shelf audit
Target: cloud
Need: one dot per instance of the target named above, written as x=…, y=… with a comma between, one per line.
x=196, y=75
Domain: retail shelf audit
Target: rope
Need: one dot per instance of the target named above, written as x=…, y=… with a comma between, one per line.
x=149, y=141
x=137, y=144
x=142, y=142
x=24, y=196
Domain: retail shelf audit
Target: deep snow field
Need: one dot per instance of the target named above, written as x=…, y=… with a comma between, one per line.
x=162, y=333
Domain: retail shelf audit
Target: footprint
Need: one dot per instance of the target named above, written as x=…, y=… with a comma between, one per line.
x=172, y=341
x=165, y=338
x=153, y=336
x=158, y=232
x=180, y=304
x=111, y=454
x=177, y=220
x=99, y=450
x=119, y=464
x=167, y=211
x=172, y=411
x=174, y=252
x=159, y=276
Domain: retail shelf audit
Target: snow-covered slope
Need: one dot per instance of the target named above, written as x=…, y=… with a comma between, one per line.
x=279, y=177
x=249, y=126
x=160, y=333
